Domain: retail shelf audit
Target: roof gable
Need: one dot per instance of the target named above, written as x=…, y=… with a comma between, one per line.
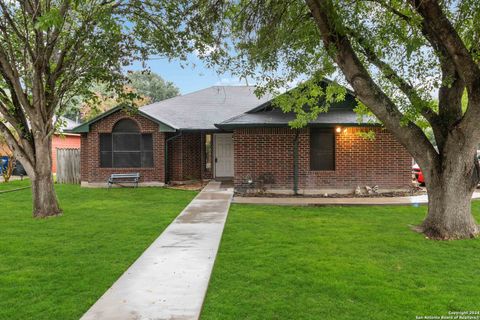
x=85, y=127
x=266, y=115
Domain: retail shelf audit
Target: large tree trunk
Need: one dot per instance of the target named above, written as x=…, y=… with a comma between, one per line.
x=45, y=203
x=449, y=201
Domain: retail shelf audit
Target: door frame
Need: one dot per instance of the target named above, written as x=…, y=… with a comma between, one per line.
x=214, y=149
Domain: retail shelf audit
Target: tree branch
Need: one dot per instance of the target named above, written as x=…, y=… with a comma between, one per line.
x=341, y=50
x=440, y=29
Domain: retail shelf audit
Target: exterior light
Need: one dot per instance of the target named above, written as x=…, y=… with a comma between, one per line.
x=345, y=130
x=339, y=129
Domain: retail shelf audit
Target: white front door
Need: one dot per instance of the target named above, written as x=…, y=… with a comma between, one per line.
x=223, y=155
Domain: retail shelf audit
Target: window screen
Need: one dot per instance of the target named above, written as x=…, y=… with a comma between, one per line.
x=126, y=141
x=322, y=149
x=125, y=147
x=106, y=153
x=147, y=150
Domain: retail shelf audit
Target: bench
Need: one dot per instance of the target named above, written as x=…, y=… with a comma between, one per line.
x=117, y=178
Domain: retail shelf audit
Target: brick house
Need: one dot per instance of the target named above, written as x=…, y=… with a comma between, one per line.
x=229, y=133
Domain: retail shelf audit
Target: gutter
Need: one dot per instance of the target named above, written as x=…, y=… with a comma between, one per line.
x=165, y=168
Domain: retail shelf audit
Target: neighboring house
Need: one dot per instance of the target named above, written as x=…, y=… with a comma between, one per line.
x=228, y=133
x=62, y=139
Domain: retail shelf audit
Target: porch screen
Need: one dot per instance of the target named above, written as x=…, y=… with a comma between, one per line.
x=322, y=149
x=126, y=147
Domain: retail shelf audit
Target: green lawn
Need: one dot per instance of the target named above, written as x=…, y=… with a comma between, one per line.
x=57, y=268
x=338, y=263
x=14, y=184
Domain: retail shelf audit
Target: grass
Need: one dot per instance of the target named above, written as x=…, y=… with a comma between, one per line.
x=338, y=263
x=14, y=184
x=57, y=268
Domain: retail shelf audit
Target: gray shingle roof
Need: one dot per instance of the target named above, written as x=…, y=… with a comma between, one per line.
x=276, y=117
x=68, y=124
x=202, y=109
x=228, y=107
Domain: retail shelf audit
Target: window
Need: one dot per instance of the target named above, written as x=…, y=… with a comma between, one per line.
x=322, y=149
x=126, y=147
x=208, y=152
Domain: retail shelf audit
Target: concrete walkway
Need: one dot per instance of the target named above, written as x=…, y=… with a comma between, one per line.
x=170, y=279
x=300, y=201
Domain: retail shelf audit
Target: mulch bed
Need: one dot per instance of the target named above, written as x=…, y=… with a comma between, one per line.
x=194, y=186
x=413, y=192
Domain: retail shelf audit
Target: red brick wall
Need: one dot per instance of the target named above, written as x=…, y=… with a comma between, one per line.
x=358, y=162
x=185, y=158
x=90, y=155
x=61, y=142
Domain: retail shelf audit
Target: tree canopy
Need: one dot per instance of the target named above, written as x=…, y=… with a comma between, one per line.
x=408, y=62
x=279, y=45
x=151, y=85
x=141, y=88
x=52, y=51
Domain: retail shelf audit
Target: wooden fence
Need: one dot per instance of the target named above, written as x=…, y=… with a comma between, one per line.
x=68, y=165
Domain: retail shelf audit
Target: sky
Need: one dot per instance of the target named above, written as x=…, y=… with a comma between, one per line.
x=190, y=78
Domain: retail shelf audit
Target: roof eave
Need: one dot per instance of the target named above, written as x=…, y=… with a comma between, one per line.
x=229, y=126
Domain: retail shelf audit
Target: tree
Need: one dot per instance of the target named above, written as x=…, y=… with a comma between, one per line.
x=104, y=99
x=151, y=85
x=394, y=54
x=51, y=51
x=147, y=87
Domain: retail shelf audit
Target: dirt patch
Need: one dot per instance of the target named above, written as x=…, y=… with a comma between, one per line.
x=193, y=186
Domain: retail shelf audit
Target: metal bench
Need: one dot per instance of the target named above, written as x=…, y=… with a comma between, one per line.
x=118, y=178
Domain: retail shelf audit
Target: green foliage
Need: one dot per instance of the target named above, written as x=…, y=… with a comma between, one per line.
x=49, y=19
x=367, y=135
x=142, y=87
x=309, y=99
x=363, y=113
x=151, y=85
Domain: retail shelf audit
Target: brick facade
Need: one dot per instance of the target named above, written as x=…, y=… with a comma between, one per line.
x=90, y=155
x=268, y=152
x=185, y=157
x=261, y=153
